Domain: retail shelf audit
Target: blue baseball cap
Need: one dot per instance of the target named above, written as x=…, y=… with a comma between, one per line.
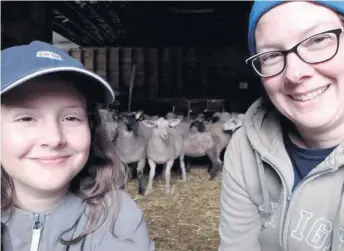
x=25, y=62
x=259, y=8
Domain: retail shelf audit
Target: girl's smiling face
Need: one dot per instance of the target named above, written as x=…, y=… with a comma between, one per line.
x=46, y=135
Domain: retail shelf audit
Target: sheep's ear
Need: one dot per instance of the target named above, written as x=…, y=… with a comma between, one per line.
x=138, y=115
x=148, y=123
x=174, y=122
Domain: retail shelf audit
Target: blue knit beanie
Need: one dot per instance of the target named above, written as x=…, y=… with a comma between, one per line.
x=259, y=8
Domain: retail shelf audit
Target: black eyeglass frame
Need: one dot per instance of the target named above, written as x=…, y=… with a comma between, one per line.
x=285, y=53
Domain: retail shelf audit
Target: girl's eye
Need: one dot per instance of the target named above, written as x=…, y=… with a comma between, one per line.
x=73, y=119
x=25, y=119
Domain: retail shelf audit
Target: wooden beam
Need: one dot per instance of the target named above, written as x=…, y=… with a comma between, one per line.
x=87, y=12
x=80, y=21
x=112, y=18
x=124, y=11
x=72, y=36
x=71, y=23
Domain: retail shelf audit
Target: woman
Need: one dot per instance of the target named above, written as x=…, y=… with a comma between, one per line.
x=283, y=178
x=60, y=176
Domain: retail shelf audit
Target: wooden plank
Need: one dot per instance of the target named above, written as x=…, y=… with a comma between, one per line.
x=180, y=72
x=168, y=73
x=152, y=73
x=77, y=54
x=204, y=66
x=126, y=62
x=114, y=69
x=88, y=56
x=173, y=72
x=139, y=60
x=101, y=58
x=101, y=62
x=190, y=75
x=164, y=89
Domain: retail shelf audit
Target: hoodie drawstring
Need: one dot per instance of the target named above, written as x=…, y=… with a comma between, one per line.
x=263, y=184
x=336, y=226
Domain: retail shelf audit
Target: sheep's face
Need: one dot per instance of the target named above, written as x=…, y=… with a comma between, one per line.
x=197, y=126
x=170, y=115
x=130, y=120
x=106, y=115
x=232, y=124
x=200, y=117
x=161, y=126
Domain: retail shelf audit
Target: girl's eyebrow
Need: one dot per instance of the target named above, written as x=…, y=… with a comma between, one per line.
x=23, y=107
x=74, y=106
x=30, y=107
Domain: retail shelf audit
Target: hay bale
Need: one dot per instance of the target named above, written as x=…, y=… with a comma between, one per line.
x=188, y=219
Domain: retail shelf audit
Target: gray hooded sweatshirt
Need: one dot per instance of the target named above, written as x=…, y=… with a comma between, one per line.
x=259, y=211
x=24, y=230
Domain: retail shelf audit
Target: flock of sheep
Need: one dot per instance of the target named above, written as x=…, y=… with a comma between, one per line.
x=139, y=138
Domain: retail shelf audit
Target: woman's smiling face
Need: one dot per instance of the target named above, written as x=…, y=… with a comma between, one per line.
x=310, y=95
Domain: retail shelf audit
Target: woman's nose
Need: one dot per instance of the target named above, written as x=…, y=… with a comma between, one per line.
x=297, y=70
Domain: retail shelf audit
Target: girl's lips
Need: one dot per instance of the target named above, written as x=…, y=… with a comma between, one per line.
x=54, y=160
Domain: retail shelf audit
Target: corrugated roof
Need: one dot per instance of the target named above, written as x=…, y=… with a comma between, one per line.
x=155, y=23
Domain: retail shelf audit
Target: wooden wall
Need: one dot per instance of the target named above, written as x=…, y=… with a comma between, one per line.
x=174, y=73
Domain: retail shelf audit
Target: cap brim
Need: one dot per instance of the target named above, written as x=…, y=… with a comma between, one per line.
x=105, y=95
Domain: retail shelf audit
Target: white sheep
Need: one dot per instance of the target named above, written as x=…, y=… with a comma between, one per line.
x=164, y=147
x=222, y=132
x=109, y=124
x=131, y=141
x=204, y=139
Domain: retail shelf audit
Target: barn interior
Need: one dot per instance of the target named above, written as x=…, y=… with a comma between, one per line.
x=177, y=54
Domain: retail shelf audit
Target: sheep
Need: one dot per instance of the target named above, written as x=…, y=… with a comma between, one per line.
x=131, y=142
x=209, y=140
x=109, y=124
x=106, y=115
x=164, y=147
x=198, y=143
x=222, y=133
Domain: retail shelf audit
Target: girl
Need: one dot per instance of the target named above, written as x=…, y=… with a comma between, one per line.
x=283, y=178
x=60, y=175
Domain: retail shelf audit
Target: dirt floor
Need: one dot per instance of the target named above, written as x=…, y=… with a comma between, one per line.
x=188, y=219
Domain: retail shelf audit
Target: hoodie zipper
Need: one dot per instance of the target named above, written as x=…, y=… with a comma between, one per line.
x=284, y=203
x=287, y=213
x=289, y=195
x=36, y=233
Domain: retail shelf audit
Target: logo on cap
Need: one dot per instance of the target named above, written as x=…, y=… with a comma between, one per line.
x=48, y=54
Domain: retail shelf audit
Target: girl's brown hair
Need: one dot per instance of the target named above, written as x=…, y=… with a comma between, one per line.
x=102, y=175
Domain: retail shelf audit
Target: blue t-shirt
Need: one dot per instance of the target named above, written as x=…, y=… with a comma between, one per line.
x=304, y=160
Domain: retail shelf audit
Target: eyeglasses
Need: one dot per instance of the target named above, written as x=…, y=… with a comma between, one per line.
x=313, y=50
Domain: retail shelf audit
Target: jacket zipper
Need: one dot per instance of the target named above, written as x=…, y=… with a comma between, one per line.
x=285, y=202
x=36, y=234
x=287, y=212
x=289, y=195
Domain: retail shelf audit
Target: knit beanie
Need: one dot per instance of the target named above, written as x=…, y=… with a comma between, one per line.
x=259, y=8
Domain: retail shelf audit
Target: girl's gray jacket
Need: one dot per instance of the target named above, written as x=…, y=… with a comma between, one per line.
x=23, y=230
x=259, y=211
